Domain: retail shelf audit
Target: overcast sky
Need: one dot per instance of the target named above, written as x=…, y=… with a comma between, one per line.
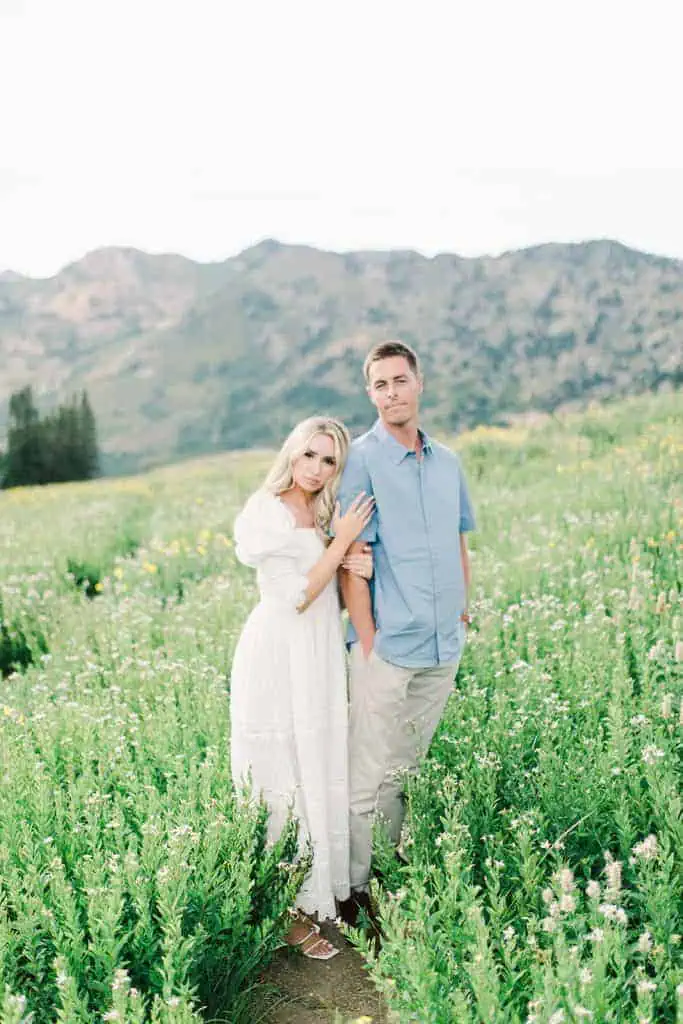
x=203, y=126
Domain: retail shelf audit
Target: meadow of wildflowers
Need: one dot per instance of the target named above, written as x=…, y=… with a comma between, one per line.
x=544, y=835
x=545, y=832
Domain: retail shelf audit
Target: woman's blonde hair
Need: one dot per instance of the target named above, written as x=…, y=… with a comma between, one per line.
x=280, y=477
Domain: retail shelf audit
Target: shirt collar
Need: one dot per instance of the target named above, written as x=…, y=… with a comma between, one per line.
x=397, y=451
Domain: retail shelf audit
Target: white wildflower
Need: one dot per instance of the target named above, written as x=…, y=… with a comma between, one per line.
x=648, y=849
x=566, y=880
x=651, y=754
x=645, y=986
x=613, y=872
x=645, y=943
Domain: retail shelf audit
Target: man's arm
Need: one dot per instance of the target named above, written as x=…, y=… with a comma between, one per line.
x=355, y=590
x=356, y=593
x=466, y=572
x=467, y=523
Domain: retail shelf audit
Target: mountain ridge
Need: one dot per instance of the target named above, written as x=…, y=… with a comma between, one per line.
x=182, y=357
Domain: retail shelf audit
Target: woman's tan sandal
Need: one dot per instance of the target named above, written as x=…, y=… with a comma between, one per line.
x=319, y=948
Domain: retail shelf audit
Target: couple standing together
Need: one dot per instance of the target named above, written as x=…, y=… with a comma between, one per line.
x=381, y=521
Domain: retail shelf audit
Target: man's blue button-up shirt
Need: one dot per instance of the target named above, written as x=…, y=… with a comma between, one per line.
x=422, y=505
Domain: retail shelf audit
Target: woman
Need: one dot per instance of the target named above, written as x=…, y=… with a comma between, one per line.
x=288, y=705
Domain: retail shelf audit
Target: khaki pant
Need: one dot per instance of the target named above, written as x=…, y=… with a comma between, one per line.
x=394, y=713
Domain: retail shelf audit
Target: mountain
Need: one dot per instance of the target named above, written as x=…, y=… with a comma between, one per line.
x=181, y=358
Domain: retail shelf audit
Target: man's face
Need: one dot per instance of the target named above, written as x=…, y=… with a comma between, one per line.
x=394, y=390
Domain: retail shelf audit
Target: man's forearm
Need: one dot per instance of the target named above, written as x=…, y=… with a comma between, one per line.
x=466, y=568
x=356, y=592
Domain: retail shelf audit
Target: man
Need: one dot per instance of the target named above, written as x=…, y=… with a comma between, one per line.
x=407, y=626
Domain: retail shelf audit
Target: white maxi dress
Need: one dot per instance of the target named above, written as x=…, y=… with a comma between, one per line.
x=288, y=703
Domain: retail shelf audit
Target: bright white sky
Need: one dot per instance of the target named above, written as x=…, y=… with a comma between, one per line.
x=469, y=126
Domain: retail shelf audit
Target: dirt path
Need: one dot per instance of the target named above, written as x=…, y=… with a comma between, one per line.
x=314, y=992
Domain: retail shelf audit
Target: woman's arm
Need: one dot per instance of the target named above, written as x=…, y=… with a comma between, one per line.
x=347, y=528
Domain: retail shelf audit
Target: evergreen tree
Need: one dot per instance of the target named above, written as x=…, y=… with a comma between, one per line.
x=24, y=458
x=60, y=447
x=88, y=433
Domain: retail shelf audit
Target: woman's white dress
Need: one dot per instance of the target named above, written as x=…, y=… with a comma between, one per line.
x=288, y=703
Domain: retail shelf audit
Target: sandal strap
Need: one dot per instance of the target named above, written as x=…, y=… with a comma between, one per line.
x=306, y=937
x=331, y=949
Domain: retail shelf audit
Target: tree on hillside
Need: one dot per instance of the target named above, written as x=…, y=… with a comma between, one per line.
x=59, y=447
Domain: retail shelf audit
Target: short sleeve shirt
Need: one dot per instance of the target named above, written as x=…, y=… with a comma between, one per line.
x=421, y=507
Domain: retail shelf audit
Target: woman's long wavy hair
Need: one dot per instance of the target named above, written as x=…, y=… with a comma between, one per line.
x=280, y=477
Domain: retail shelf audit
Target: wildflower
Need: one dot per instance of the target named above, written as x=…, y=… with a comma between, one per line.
x=173, y=1001
x=549, y=924
x=567, y=903
x=645, y=943
x=593, y=890
x=566, y=879
x=648, y=849
x=121, y=980
x=652, y=754
x=585, y=976
x=667, y=703
x=645, y=986
x=112, y=1015
x=613, y=872
x=597, y=935
x=548, y=896
x=557, y=1017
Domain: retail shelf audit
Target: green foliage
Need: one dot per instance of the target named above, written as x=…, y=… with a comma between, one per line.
x=133, y=880
x=61, y=446
x=544, y=835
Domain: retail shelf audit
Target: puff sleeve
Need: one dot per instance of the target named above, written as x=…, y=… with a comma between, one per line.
x=265, y=539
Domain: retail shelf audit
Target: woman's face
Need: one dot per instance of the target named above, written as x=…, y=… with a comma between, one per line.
x=316, y=465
